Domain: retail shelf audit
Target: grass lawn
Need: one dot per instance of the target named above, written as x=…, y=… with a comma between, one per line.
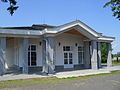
x=114, y=63
x=46, y=81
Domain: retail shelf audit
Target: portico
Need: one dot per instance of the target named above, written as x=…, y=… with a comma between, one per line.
x=49, y=49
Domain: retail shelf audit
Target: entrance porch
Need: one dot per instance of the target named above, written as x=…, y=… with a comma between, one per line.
x=23, y=55
x=68, y=50
x=62, y=74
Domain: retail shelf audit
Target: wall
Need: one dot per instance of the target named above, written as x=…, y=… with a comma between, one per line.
x=14, y=48
x=9, y=52
x=36, y=42
x=14, y=51
x=39, y=49
x=67, y=40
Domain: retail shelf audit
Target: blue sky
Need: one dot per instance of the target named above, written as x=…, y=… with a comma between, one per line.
x=57, y=12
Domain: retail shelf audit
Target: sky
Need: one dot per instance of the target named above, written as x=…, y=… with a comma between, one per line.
x=57, y=12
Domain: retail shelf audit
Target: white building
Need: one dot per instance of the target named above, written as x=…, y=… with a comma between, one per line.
x=45, y=48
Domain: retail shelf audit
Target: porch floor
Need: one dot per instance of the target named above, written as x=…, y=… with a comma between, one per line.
x=77, y=73
x=64, y=74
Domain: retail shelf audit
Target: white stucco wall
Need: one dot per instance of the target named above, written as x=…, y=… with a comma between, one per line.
x=14, y=51
x=36, y=42
x=10, y=52
x=67, y=40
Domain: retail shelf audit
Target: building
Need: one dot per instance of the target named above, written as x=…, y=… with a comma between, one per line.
x=46, y=48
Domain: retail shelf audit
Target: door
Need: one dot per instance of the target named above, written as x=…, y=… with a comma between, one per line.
x=68, y=57
x=16, y=56
x=32, y=55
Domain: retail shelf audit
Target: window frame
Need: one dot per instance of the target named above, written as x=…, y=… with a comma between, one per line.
x=30, y=57
x=68, y=51
x=82, y=54
x=66, y=47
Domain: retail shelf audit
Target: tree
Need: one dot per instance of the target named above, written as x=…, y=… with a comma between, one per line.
x=114, y=4
x=118, y=54
x=115, y=7
x=12, y=6
x=104, y=52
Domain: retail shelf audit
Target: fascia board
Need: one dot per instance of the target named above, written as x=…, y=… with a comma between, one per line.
x=20, y=32
x=89, y=30
x=106, y=39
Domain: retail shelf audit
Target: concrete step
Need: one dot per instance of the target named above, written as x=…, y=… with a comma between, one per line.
x=13, y=69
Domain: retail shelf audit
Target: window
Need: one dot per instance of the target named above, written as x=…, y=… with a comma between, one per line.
x=67, y=48
x=65, y=58
x=32, y=55
x=68, y=57
x=80, y=55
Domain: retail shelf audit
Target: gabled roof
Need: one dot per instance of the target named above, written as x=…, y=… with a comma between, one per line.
x=82, y=28
x=73, y=24
x=41, y=29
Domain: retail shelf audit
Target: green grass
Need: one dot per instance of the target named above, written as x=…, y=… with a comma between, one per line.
x=114, y=63
x=47, y=81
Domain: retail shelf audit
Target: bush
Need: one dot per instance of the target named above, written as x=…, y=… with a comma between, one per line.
x=104, y=52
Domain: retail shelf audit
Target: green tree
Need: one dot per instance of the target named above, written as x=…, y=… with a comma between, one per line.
x=104, y=52
x=118, y=54
x=12, y=6
x=115, y=7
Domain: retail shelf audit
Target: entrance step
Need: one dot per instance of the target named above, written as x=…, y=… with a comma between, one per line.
x=13, y=69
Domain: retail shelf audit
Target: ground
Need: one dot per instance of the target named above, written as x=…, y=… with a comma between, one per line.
x=113, y=63
x=109, y=81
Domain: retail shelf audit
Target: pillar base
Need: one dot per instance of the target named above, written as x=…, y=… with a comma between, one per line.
x=44, y=74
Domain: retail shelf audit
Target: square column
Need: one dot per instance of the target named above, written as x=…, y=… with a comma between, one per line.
x=25, y=45
x=99, y=54
x=87, y=54
x=94, y=55
x=2, y=55
x=44, y=64
x=50, y=54
x=109, y=59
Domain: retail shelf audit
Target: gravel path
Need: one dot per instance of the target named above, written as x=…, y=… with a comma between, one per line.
x=110, y=82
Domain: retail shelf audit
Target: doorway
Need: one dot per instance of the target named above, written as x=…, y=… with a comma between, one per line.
x=68, y=57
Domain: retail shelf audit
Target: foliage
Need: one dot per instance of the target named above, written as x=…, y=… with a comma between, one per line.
x=118, y=54
x=115, y=7
x=12, y=6
x=114, y=55
x=114, y=4
x=104, y=52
